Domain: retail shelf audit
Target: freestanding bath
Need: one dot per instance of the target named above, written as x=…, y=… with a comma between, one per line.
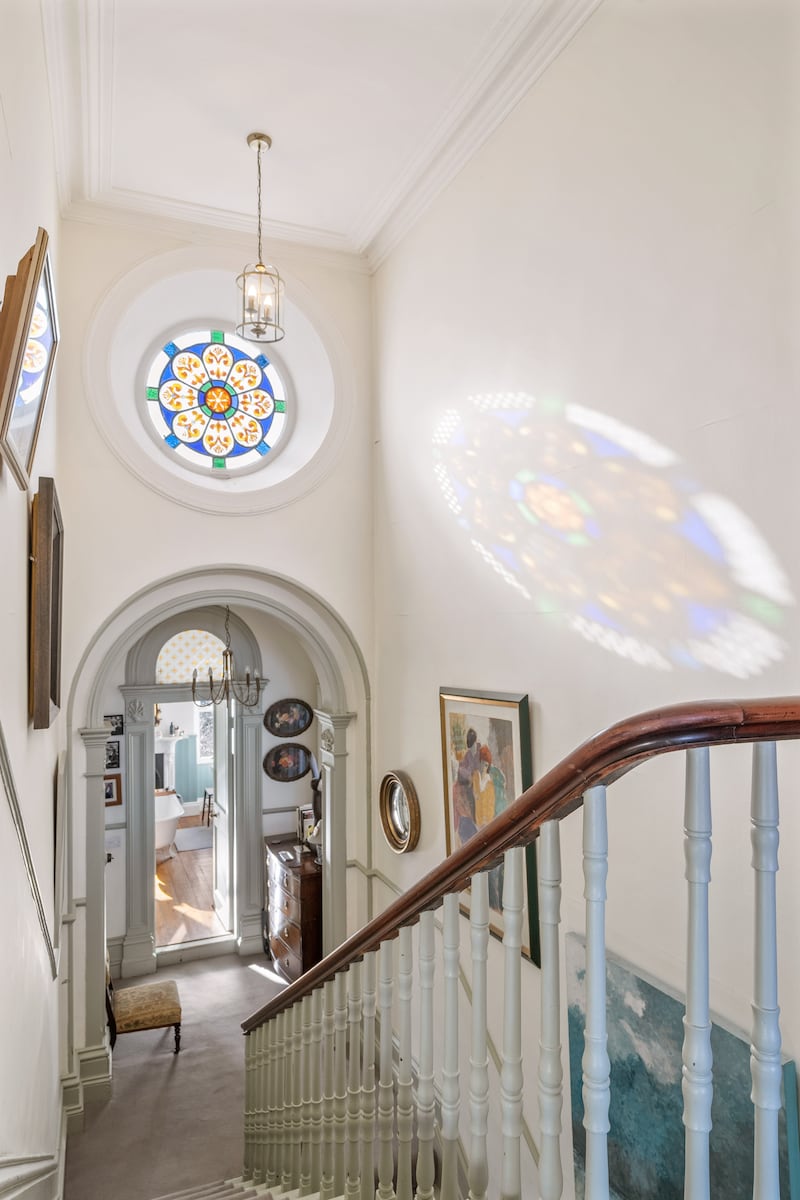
x=168, y=811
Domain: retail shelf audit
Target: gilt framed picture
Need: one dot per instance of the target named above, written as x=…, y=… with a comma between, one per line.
x=486, y=765
x=28, y=344
x=47, y=554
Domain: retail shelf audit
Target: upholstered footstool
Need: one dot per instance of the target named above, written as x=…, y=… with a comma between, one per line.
x=149, y=1006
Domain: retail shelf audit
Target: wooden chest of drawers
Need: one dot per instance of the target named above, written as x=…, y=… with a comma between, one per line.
x=293, y=907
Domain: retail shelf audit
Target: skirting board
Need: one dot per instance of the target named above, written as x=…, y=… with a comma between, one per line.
x=33, y=1178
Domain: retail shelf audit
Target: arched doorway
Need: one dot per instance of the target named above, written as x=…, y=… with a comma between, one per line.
x=343, y=718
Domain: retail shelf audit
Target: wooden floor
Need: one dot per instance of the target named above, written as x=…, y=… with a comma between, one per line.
x=184, y=896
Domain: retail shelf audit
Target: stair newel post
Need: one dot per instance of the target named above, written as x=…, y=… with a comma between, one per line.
x=596, y=1066
x=511, y=1070
x=327, y=1187
x=697, y=1083
x=405, y=1099
x=368, y=1082
x=339, y=1081
x=316, y=1089
x=305, y=1111
x=451, y=1090
x=551, y=1074
x=425, y=1092
x=479, y=1056
x=272, y=1160
x=765, y=1050
x=249, y=1115
x=385, y=1189
x=352, y=1187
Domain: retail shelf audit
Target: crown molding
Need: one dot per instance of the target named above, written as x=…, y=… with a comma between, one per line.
x=186, y=228
x=522, y=53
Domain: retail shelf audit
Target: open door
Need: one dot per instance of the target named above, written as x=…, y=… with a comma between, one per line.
x=222, y=823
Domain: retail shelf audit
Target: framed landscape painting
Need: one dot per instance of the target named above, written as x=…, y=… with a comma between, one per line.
x=486, y=765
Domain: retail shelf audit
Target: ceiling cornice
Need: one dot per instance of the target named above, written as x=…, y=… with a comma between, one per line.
x=185, y=229
x=79, y=45
x=524, y=50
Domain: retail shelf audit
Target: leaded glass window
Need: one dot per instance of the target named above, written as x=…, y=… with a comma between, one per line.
x=186, y=651
x=213, y=403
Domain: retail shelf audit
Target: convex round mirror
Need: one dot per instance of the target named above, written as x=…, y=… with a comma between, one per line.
x=399, y=808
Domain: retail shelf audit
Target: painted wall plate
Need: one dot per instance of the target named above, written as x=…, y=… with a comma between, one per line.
x=287, y=718
x=399, y=809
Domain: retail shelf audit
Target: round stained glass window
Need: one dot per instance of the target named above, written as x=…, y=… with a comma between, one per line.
x=214, y=403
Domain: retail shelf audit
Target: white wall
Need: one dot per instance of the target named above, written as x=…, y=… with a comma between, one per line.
x=29, y=1088
x=623, y=242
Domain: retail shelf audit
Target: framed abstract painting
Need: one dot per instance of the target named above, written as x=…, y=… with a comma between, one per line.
x=486, y=765
x=28, y=344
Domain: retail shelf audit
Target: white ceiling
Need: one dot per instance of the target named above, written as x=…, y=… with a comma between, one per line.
x=373, y=106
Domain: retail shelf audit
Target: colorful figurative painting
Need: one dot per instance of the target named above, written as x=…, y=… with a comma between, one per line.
x=287, y=762
x=486, y=764
x=645, y=1144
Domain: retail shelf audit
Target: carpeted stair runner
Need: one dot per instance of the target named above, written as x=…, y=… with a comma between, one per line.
x=234, y=1189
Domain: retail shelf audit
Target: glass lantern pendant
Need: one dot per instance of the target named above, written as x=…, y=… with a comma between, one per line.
x=261, y=286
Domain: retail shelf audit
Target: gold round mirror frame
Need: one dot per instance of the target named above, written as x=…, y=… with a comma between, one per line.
x=399, y=809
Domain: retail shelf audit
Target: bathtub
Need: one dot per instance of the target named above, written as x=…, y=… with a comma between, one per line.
x=169, y=811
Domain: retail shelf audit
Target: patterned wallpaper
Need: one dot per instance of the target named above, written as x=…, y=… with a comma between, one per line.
x=187, y=650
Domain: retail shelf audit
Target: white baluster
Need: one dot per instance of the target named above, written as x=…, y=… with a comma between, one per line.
x=352, y=1187
x=451, y=1092
x=425, y=1094
x=285, y=1101
x=297, y=1091
x=327, y=1187
x=260, y=1130
x=405, y=1102
x=273, y=1150
x=551, y=1180
x=305, y=1110
x=765, y=1051
x=249, y=1104
x=316, y=1089
x=596, y=1067
x=511, y=1070
x=339, y=1080
x=697, y=1084
x=385, y=1189
x=367, y=1171
x=479, y=1057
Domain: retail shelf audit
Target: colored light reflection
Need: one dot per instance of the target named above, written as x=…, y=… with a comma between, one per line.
x=587, y=517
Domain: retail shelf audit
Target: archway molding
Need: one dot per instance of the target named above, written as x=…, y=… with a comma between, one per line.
x=344, y=694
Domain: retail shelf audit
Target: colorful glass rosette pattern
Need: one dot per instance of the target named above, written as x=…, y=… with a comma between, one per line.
x=594, y=521
x=215, y=405
x=38, y=353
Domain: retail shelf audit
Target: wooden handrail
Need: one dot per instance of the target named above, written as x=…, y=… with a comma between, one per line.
x=600, y=760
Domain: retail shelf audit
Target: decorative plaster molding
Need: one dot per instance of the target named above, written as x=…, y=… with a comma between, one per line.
x=328, y=740
x=135, y=710
x=520, y=47
x=527, y=44
x=20, y=1177
x=10, y=788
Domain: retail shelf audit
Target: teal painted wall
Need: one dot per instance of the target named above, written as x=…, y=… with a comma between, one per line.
x=191, y=777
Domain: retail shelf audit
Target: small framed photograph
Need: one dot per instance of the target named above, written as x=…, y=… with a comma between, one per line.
x=112, y=756
x=47, y=562
x=486, y=765
x=288, y=718
x=28, y=344
x=287, y=762
x=113, y=789
x=117, y=723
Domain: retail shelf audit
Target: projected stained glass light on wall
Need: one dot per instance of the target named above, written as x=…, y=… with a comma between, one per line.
x=214, y=404
x=596, y=522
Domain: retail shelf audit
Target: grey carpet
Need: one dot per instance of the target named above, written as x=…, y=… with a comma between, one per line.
x=175, y=1120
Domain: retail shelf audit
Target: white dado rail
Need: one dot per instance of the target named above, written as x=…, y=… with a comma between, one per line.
x=316, y=1118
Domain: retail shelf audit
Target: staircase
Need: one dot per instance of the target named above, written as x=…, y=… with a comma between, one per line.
x=342, y=1100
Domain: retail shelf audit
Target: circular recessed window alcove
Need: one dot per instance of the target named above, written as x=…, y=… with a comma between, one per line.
x=197, y=413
